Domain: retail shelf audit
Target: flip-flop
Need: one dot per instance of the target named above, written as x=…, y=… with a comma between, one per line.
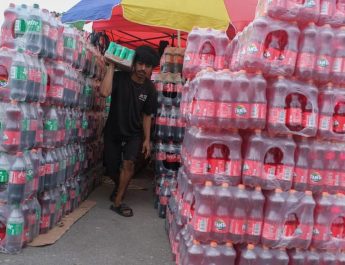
x=122, y=210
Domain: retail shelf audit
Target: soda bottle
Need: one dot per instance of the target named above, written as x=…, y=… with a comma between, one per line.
x=317, y=168
x=42, y=81
x=338, y=68
x=328, y=258
x=202, y=219
x=272, y=47
x=29, y=173
x=272, y=159
x=56, y=163
x=52, y=209
x=313, y=257
x=194, y=255
x=14, y=231
x=50, y=127
x=265, y=256
x=332, y=169
x=255, y=216
x=217, y=157
x=69, y=42
x=33, y=36
x=223, y=212
x=309, y=117
x=228, y=254
x=212, y=254
x=306, y=58
x=4, y=172
x=339, y=117
x=207, y=52
x=294, y=111
x=258, y=103
x=271, y=227
x=241, y=107
x=324, y=58
x=35, y=163
x=7, y=28
x=248, y=256
x=17, y=180
x=46, y=50
x=297, y=256
x=41, y=171
x=337, y=226
x=45, y=213
x=289, y=49
x=224, y=109
x=341, y=172
x=309, y=11
x=341, y=258
x=19, y=76
x=25, y=211
x=300, y=181
x=280, y=257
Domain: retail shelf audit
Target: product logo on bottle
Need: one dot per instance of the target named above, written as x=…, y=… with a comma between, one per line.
x=14, y=229
x=310, y=3
x=245, y=167
x=252, y=49
x=4, y=176
x=240, y=110
x=323, y=63
x=34, y=25
x=220, y=225
x=3, y=81
x=315, y=176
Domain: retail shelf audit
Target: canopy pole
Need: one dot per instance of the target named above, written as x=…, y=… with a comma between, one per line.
x=179, y=39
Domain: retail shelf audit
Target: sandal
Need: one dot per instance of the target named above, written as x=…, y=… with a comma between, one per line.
x=122, y=210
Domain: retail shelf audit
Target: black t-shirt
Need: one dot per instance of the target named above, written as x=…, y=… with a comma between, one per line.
x=129, y=101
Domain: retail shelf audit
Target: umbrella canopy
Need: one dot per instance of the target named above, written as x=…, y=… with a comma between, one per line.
x=241, y=12
x=148, y=21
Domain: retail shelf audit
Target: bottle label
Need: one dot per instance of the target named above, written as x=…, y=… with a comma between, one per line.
x=309, y=120
x=323, y=64
x=338, y=65
x=171, y=158
x=31, y=74
x=168, y=87
x=33, y=125
x=258, y=111
x=224, y=110
x=339, y=123
x=87, y=90
x=284, y=172
x=180, y=123
x=32, y=219
x=161, y=156
x=25, y=125
x=29, y=175
x=14, y=229
x=272, y=54
x=233, y=168
x=206, y=60
x=216, y=166
x=269, y=172
x=252, y=168
x=39, y=136
x=221, y=225
x=287, y=58
x=204, y=108
x=202, y=224
x=19, y=27
x=310, y=3
x=241, y=111
x=329, y=178
x=69, y=42
x=72, y=194
x=198, y=166
x=325, y=8
x=306, y=61
x=17, y=177
x=277, y=116
x=316, y=177
x=271, y=231
x=34, y=26
x=51, y=125
x=254, y=227
x=161, y=120
x=294, y=116
x=253, y=49
x=301, y=175
x=49, y=169
x=321, y=233
x=45, y=221
x=19, y=73
x=325, y=123
x=163, y=200
x=4, y=176
x=238, y=226
x=53, y=33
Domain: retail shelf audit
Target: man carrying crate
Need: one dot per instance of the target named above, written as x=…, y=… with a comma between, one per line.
x=134, y=100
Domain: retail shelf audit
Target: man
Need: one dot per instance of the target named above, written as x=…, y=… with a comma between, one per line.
x=134, y=100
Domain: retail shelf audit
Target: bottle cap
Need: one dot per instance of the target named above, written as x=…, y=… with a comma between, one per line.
x=19, y=154
x=208, y=183
x=265, y=247
x=325, y=193
x=196, y=242
x=308, y=192
x=258, y=188
x=36, y=6
x=241, y=186
x=278, y=190
x=213, y=244
x=250, y=246
x=229, y=244
x=225, y=185
x=281, y=77
x=292, y=191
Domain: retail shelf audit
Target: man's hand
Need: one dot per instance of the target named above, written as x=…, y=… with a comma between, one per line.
x=146, y=149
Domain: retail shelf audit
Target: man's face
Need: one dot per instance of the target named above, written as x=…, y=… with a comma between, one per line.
x=142, y=70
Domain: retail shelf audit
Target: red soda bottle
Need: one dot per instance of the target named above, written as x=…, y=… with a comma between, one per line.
x=301, y=173
x=222, y=43
x=309, y=117
x=339, y=118
x=255, y=217
x=222, y=214
x=239, y=216
x=338, y=224
x=203, y=213
x=327, y=10
x=324, y=58
x=294, y=112
x=5, y=71
x=217, y=156
x=332, y=168
x=7, y=28
x=207, y=52
x=11, y=137
x=248, y=256
x=273, y=218
x=307, y=56
x=317, y=169
x=342, y=170
x=195, y=254
x=241, y=108
x=17, y=180
x=272, y=46
x=190, y=65
x=259, y=102
x=225, y=105
x=338, y=68
x=309, y=11
x=265, y=256
x=297, y=256
x=212, y=254
x=228, y=254
x=288, y=50
x=280, y=257
x=45, y=217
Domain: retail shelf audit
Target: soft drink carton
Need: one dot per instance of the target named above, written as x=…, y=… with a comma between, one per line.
x=338, y=68
x=269, y=162
x=332, y=12
x=293, y=107
x=288, y=219
x=212, y=156
x=123, y=57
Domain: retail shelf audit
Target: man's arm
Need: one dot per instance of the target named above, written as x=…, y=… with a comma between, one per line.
x=147, y=132
x=107, y=83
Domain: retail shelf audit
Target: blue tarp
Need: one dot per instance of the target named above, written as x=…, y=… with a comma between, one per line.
x=90, y=10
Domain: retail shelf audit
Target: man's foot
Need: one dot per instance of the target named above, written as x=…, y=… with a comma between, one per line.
x=122, y=210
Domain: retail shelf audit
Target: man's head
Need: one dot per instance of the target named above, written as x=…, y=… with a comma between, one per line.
x=146, y=58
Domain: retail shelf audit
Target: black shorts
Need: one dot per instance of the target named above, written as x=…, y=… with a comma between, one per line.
x=116, y=150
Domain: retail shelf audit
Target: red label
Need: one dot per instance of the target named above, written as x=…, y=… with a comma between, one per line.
x=49, y=168
x=207, y=60
x=284, y=172
x=171, y=122
x=270, y=231
x=204, y=108
x=238, y=227
x=72, y=194
x=252, y=168
x=56, y=167
x=316, y=177
x=33, y=125
x=288, y=58
x=325, y=8
x=55, y=92
x=161, y=156
x=272, y=54
x=325, y=123
x=198, y=166
x=309, y=120
x=277, y=116
x=321, y=233
x=53, y=33
x=171, y=158
x=233, y=168
x=219, y=62
x=224, y=110
x=221, y=225
x=32, y=219
x=202, y=224
x=163, y=200
x=186, y=209
x=17, y=177
x=62, y=135
x=11, y=138
x=161, y=120
x=45, y=221
x=301, y=175
x=254, y=227
x=31, y=74
x=216, y=166
x=329, y=179
x=338, y=65
x=241, y=111
x=323, y=64
x=168, y=87
x=39, y=136
x=179, y=87
x=339, y=123
x=181, y=123
x=306, y=60
x=269, y=172
x=258, y=111
x=294, y=116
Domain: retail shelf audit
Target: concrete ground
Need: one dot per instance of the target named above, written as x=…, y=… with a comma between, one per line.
x=102, y=237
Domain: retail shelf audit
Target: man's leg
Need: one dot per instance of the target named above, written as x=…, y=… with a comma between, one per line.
x=126, y=174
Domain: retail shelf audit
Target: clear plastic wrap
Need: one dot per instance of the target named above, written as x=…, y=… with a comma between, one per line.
x=225, y=100
x=269, y=46
x=212, y=156
x=225, y=213
x=262, y=255
x=172, y=60
x=329, y=222
x=169, y=87
x=168, y=158
x=292, y=108
x=205, y=48
x=269, y=162
x=288, y=219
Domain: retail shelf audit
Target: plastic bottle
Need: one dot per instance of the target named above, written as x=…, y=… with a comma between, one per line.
x=19, y=76
x=294, y=112
x=7, y=28
x=50, y=127
x=33, y=36
x=46, y=50
x=17, y=180
x=258, y=102
x=301, y=173
x=194, y=255
x=29, y=173
x=307, y=56
x=14, y=231
x=228, y=254
x=338, y=67
x=317, y=168
x=45, y=213
x=248, y=256
x=339, y=118
x=255, y=216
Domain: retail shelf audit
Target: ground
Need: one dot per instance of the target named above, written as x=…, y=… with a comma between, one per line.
x=102, y=237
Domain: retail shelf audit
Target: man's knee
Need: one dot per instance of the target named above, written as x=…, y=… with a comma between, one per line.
x=128, y=166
